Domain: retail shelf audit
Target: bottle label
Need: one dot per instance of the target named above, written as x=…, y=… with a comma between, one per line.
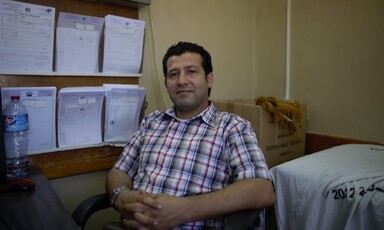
x=16, y=123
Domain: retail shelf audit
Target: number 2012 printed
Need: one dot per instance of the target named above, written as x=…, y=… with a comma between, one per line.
x=352, y=192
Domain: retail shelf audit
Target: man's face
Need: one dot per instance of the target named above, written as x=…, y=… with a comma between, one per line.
x=187, y=84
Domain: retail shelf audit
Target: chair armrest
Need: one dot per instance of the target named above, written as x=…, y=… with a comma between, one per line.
x=89, y=206
x=245, y=220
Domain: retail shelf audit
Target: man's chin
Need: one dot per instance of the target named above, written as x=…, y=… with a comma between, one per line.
x=184, y=105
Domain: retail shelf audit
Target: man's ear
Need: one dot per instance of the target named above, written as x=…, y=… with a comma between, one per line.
x=210, y=80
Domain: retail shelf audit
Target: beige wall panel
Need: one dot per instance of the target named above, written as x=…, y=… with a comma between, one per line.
x=270, y=48
x=223, y=27
x=337, y=65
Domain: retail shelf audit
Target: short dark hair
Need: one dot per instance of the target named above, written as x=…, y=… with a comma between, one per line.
x=188, y=47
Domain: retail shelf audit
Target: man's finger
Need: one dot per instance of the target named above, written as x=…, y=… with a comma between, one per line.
x=131, y=224
x=150, y=201
x=145, y=219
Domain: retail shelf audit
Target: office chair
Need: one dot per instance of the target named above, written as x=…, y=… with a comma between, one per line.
x=244, y=220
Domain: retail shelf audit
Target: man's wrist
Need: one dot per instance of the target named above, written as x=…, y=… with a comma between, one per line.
x=115, y=194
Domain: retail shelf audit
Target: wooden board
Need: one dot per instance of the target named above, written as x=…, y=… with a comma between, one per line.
x=315, y=142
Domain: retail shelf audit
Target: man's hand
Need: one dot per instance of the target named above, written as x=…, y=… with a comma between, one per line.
x=141, y=210
x=138, y=208
x=172, y=213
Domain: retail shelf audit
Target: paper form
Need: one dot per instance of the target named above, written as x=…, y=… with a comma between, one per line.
x=77, y=43
x=40, y=103
x=123, y=44
x=80, y=116
x=122, y=112
x=26, y=37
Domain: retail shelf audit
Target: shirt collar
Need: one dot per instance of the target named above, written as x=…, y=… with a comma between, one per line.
x=208, y=115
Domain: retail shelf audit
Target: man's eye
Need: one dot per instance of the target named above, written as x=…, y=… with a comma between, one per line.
x=172, y=75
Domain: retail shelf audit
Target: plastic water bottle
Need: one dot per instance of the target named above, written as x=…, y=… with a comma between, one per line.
x=16, y=126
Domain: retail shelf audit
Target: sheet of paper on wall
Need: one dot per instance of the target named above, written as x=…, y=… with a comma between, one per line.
x=79, y=121
x=123, y=106
x=77, y=43
x=40, y=103
x=26, y=37
x=123, y=44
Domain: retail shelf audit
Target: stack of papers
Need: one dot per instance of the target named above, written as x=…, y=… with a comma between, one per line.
x=123, y=45
x=79, y=116
x=123, y=106
x=40, y=103
x=77, y=43
x=86, y=116
x=26, y=37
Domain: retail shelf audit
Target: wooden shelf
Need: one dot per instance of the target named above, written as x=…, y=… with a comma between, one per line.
x=62, y=81
x=76, y=161
x=130, y=3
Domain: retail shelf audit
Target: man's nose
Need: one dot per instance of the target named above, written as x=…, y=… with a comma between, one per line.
x=182, y=77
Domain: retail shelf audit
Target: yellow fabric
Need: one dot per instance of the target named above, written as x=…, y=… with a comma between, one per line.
x=285, y=113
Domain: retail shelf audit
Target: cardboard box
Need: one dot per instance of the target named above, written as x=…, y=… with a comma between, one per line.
x=278, y=144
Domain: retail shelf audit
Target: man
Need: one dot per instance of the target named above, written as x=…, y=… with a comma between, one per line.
x=190, y=166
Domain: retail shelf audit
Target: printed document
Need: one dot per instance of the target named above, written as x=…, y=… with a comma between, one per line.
x=123, y=108
x=77, y=43
x=123, y=45
x=26, y=37
x=80, y=116
x=40, y=103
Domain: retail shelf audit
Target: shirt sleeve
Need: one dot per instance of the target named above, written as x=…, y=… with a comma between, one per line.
x=127, y=161
x=246, y=157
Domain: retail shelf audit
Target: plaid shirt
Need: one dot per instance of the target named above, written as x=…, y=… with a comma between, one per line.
x=191, y=157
